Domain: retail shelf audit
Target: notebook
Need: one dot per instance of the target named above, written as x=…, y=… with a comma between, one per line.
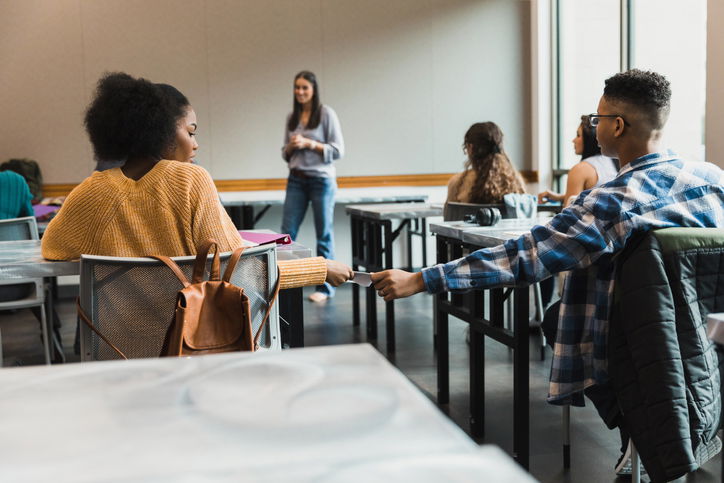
x=260, y=238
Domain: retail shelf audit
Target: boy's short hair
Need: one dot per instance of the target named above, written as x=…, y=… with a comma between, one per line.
x=646, y=91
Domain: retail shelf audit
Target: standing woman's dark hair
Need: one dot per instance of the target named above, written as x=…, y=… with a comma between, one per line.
x=590, y=143
x=316, y=113
x=494, y=174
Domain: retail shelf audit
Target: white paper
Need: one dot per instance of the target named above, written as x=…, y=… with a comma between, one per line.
x=361, y=278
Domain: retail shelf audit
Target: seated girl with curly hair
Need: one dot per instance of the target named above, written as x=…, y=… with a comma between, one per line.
x=488, y=174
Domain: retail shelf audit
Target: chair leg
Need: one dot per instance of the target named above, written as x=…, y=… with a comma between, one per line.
x=635, y=465
x=538, y=302
x=1, y=350
x=539, y=317
x=566, y=436
x=46, y=335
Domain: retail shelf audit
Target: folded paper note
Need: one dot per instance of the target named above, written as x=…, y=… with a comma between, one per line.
x=361, y=278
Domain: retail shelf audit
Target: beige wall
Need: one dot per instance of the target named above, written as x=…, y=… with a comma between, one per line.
x=714, y=82
x=407, y=77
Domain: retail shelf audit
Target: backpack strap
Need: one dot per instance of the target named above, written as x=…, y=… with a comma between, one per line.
x=200, y=264
x=233, y=260
x=84, y=317
x=174, y=268
x=268, y=311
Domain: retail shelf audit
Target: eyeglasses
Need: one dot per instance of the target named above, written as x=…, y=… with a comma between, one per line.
x=593, y=119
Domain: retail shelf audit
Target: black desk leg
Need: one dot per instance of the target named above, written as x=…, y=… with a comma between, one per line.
x=389, y=306
x=408, y=232
x=443, y=361
x=373, y=255
x=371, y=309
x=247, y=217
x=477, y=367
x=477, y=382
x=424, y=241
x=291, y=309
x=521, y=411
x=355, y=300
x=357, y=247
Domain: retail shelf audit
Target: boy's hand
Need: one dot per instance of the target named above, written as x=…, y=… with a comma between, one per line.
x=395, y=284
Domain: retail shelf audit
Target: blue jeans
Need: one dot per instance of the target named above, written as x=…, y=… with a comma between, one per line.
x=320, y=191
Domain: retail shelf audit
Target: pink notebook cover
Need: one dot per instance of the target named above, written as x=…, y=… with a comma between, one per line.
x=262, y=238
x=44, y=210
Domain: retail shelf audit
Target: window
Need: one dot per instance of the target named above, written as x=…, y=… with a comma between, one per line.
x=670, y=37
x=589, y=34
x=667, y=36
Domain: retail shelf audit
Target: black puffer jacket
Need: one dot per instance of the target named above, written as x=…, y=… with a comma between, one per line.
x=663, y=368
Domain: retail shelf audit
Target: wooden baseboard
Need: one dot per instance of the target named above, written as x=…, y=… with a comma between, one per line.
x=435, y=179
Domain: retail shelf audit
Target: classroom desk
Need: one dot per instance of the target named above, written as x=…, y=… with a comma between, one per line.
x=372, y=238
x=23, y=259
x=453, y=239
x=241, y=205
x=323, y=414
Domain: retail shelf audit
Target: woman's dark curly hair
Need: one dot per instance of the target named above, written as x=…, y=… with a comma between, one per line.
x=590, y=143
x=648, y=91
x=130, y=118
x=495, y=175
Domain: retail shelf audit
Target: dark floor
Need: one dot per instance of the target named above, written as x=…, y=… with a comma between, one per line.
x=594, y=448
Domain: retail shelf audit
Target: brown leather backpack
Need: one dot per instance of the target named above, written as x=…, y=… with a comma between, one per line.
x=211, y=315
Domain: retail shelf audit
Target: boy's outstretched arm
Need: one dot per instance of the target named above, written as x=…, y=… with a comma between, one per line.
x=396, y=284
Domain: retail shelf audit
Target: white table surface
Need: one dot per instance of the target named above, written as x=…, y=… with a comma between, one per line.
x=23, y=259
x=339, y=413
x=487, y=235
x=396, y=211
x=377, y=194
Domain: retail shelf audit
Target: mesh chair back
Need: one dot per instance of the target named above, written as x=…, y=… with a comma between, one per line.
x=24, y=228
x=456, y=211
x=132, y=300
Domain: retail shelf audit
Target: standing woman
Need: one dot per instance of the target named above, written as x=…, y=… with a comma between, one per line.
x=312, y=142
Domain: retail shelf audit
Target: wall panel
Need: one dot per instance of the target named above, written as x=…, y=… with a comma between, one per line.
x=407, y=77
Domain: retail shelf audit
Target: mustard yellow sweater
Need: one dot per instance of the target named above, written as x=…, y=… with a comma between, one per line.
x=169, y=211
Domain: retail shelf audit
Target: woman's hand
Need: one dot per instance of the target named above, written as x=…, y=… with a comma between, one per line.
x=396, y=284
x=547, y=196
x=338, y=272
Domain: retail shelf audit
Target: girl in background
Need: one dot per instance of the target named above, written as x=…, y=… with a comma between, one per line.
x=593, y=170
x=312, y=142
x=488, y=174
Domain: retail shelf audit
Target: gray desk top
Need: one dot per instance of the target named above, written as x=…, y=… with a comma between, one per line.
x=344, y=195
x=486, y=236
x=339, y=413
x=398, y=211
x=22, y=259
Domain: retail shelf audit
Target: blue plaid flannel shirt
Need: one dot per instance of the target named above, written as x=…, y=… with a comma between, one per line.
x=658, y=190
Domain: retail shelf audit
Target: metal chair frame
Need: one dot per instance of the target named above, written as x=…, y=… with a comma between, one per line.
x=28, y=221
x=29, y=231
x=89, y=299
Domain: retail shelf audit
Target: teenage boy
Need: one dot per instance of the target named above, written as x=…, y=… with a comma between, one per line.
x=653, y=189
